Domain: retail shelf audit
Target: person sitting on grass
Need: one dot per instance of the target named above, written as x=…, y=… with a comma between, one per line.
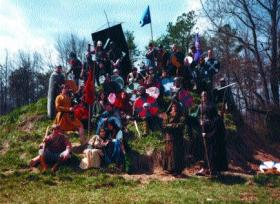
x=55, y=149
x=95, y=152
x=115, y=150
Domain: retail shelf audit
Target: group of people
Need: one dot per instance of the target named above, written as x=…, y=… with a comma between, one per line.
x=158, y=94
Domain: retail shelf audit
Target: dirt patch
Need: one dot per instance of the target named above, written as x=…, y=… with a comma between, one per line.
x=246, y=154
x=28, y=124
x=4, y=148
x=158, y=174
x=275, y=193
x=248, y=197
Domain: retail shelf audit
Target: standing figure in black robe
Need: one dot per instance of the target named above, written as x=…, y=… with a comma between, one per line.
x=173, y=128
x=213, y=133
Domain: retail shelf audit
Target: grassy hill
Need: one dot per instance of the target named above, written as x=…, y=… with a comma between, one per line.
x=21, y=132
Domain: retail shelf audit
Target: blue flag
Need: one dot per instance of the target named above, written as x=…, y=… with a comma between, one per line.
x=146, y=19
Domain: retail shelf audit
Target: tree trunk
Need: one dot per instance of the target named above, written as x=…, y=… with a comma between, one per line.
x=274, y=78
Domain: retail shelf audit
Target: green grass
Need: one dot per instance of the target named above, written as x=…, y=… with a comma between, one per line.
x=96, y=187
x=71, y=185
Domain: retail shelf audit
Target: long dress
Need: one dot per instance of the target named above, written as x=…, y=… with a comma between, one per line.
x=174, y=144
x=94, y=154
x=215, y=138
x=64, y=118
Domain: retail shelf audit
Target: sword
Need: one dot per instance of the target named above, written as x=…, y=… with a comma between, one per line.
x=135, y=123
x=137, y=128
x=226, y=86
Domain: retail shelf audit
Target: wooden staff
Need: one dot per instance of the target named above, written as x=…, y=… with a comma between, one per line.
x=46, y=134
x=204, y=139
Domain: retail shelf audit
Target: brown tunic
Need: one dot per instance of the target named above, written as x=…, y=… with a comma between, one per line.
x=64, y=118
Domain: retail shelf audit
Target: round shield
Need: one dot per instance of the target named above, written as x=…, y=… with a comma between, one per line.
x=185, y=98
x=189, y=59
x=146, y=107
x=153, y=92
x=112, y=98
x=81, y=112
x=72, y=85
x=119, y=80
x=132, y=89
x=167, y=83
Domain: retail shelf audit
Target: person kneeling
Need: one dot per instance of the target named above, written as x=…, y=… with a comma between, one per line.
x=55, y=150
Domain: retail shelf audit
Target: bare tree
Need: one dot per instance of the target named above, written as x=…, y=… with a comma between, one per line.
x=70, y=43
x=256, y=23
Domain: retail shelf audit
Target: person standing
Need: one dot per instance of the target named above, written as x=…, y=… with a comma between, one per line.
x=65, y=114
x=55, y=82
x=115, y=57
x=212, y=65
x=173, y=129
x=101, y=61
x=75, y=67
x=213, y=133
x=151, y=55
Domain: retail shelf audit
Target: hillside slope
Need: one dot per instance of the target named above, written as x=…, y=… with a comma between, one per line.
x=22, y=131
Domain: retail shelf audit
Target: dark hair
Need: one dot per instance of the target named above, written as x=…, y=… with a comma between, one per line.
x=72, y=55
x=113, y=123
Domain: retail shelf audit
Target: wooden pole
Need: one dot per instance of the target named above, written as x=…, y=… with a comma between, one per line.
x=107, y=19
x=151, y=31
x=204, y=139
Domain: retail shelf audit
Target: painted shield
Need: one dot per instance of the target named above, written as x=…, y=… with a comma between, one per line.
x=185, y=98
x=72, y=85
x=119, y=81
x=167, y=83
x=131, y=89
x=146, y=106
x=153, y=92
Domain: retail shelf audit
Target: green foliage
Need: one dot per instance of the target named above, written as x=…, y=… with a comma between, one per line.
x=133, y=51
x=37, y=108
x=95, y=187
x=179, y=32
x=267, y=180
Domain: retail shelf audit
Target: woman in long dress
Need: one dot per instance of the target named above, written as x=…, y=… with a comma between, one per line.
x=174, y=141
x=95, y=152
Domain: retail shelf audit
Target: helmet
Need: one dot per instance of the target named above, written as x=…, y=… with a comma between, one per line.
x=99, y=43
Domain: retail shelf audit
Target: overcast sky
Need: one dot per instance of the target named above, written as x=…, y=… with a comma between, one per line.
x=35, y=24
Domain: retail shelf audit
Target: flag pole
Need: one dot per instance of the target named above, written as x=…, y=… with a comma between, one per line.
x=151, y=31
x=107, y=19
x=151, y=26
